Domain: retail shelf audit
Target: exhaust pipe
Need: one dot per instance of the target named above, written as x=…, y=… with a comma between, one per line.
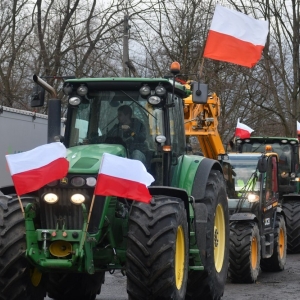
x=54, y=110
x=45, y=85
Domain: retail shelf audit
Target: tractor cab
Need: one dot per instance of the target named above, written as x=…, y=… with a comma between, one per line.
x=142, y=116
x=288, y=157
x=255, y=183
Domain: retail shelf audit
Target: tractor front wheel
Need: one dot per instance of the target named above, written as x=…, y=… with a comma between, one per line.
x=18, y=279
x=210, y=283
x=277, y=261
x=157, y=250
x=292, y=212
x=244, y=252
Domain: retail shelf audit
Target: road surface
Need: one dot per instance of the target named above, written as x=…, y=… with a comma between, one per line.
x=283, y=285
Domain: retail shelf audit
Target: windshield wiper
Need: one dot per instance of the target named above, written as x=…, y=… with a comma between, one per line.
x=139, y=104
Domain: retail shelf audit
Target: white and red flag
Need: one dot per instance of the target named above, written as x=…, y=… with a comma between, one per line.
x=123, y=177
x=298, y=128
x=235, y=37
x=243, y=131
x=30, y=170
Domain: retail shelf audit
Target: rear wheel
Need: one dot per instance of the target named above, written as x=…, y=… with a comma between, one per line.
x=292, y=213
x=277, y=261
x=210, y=283
x=157, y=250
x=18, y=279
x=244, y=252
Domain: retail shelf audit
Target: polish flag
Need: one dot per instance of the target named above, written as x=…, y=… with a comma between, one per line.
x=243, y=131
x=30, y=170
x=123, y=177
x=298, y=128
x=235, y=37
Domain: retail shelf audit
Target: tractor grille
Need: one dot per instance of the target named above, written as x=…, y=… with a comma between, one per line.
x=66, y=214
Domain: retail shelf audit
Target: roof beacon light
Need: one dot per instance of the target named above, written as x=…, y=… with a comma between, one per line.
x=175, y=68
x=268, y=148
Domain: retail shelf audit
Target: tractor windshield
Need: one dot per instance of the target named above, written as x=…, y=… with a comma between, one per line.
x=244, y=172
x=100, y=119
x=96, y=119
x=284, y=152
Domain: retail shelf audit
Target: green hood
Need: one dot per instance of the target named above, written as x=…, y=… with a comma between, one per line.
x=86, y=159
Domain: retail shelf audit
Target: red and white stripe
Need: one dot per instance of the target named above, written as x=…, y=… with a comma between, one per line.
x=123, y=177
x=243, y=131
x=235, y=37
x=35, y=168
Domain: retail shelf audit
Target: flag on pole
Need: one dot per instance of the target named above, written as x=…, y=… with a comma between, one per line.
x=30, y=170
x=123, y=177
x=243, y=131
x=235, y=37
x=298, y=128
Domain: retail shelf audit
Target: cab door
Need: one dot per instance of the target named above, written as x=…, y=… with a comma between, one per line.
x=270, y=194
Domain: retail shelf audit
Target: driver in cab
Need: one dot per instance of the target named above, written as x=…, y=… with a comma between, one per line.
x=132, y=131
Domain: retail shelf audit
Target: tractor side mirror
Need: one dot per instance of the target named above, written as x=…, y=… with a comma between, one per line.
x=37, y=96
x=200, y=92
x=262, y=164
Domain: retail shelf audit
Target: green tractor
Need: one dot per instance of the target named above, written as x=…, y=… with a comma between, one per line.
x=175, y=247
x=288, y=173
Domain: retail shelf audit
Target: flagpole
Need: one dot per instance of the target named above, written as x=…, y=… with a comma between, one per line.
x=90, y=212
x=87, y=223
x=201, y=67
x=21, y=205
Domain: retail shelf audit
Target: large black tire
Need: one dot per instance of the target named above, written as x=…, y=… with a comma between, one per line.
x=244, y=252
x=277, y=261
x=210, y=284
x=292, y=213
x=74, y=286
x=18, y=279
x=157, y=250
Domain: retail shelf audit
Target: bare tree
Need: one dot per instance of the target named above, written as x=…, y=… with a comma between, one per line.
x=276, y=95
x=15, y=28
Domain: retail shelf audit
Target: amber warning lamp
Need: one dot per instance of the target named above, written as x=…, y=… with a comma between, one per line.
x=175, y=68
x=268, y=148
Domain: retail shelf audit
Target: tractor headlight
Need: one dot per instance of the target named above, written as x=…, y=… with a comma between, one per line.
x=145, y=90
x=91, y=181
x=77, y=199
x=50, y=198
x=74, y=101
x=253, y=197
x=82, y=90
x=160, y=90
x=67, y=89
x=154, y=100
x=78, y=181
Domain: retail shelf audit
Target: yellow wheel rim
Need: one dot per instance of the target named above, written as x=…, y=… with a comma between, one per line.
x=281, y=243
x=36, y=277
x=254, y=249
x=219, y=238
x=179, y=257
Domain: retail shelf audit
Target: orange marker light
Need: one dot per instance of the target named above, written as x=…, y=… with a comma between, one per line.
x=175, y=67
x=268, y=148
x=167, y=148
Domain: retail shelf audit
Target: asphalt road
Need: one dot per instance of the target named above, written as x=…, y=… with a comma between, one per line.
x=283, y=285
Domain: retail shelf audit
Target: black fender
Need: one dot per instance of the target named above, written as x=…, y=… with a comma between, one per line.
x=200, y=209
x=243, y=217
x=7, y=190
x=291, y=197
x=172, y=192
x=200, y=180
